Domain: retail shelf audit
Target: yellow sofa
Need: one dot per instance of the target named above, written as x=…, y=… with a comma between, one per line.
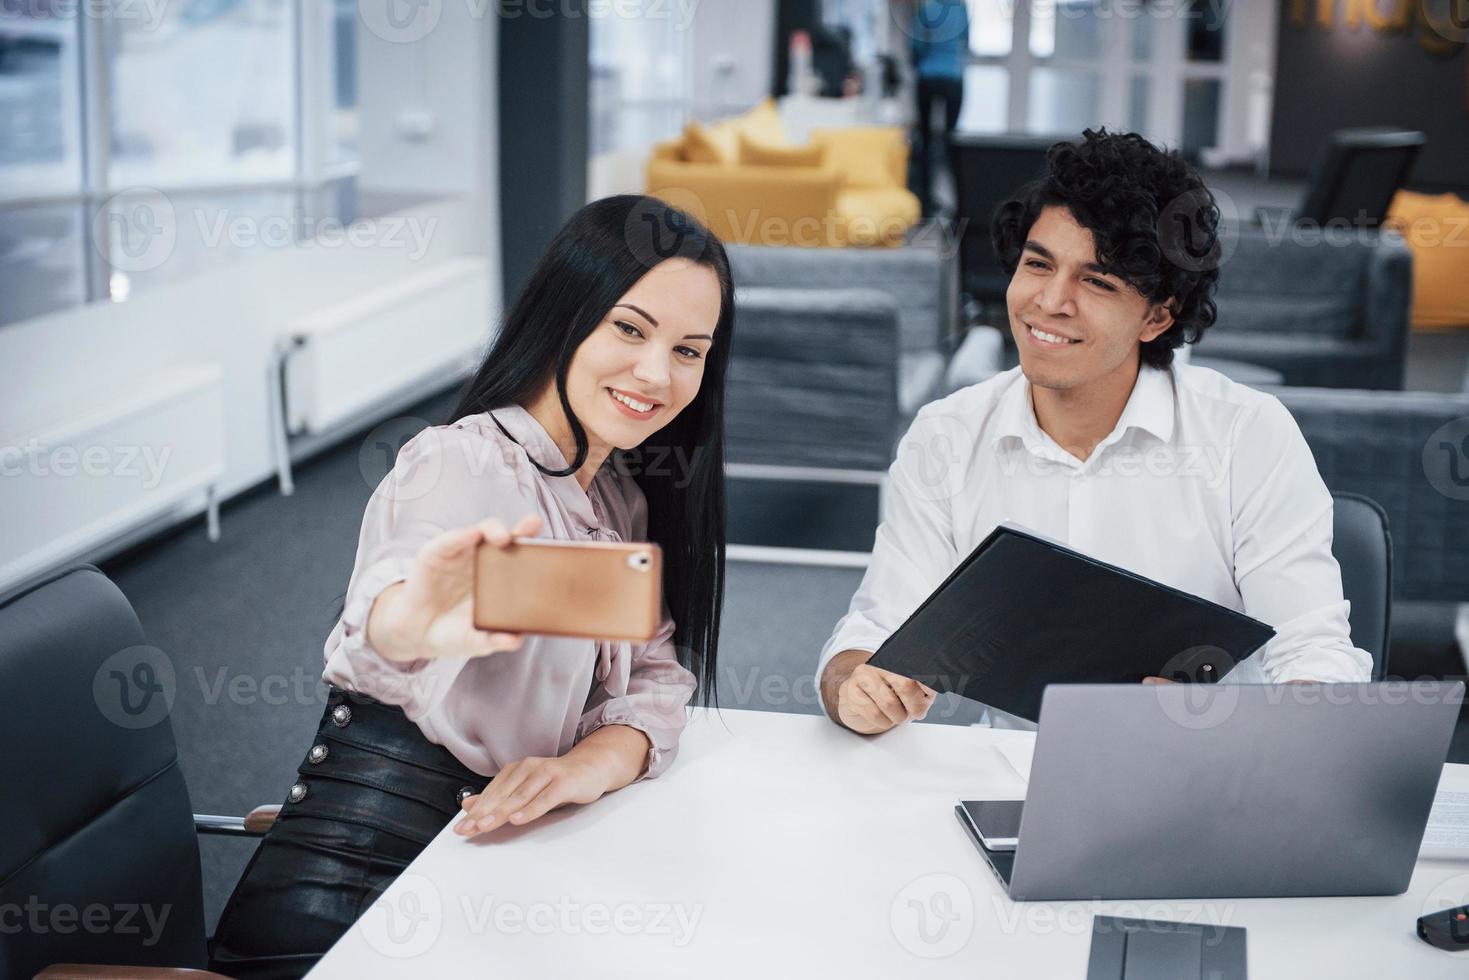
x=1436, y=227
x=744, y=180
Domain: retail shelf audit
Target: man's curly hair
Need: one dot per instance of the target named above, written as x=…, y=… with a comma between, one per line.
x=1155, y=224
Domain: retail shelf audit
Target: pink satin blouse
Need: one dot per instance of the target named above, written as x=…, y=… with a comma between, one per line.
x=543, y=698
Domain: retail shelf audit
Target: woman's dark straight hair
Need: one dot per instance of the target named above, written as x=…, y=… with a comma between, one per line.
x=596, y=257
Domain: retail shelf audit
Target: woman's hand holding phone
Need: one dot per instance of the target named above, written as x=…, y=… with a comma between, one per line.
x=431, y=613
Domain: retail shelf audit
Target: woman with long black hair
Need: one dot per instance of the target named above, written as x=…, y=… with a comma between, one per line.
x=596, y=415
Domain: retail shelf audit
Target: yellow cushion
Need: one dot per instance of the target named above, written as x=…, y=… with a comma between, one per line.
x=762, y=124
x=863, y=156
x=763, y=155
x=1436, y=227
x=876, y=215
x=718, y=143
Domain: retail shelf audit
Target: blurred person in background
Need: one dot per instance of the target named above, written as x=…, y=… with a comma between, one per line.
x=940, y=34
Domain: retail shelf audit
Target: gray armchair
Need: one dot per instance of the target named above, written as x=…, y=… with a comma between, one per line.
x=1406, y=450
x=919, y=278
x=1329, y=314
x=813, y=380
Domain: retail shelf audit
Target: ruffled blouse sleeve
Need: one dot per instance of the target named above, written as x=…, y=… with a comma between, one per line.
x=444, y=478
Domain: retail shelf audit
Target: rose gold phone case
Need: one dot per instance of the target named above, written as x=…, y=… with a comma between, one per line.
x=599, y=589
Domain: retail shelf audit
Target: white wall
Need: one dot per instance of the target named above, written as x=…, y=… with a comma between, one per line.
x=445, y=82
x=730, y=55
x=230, y=315
x=1253, y=26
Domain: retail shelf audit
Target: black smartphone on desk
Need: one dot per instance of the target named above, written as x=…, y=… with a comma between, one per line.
x=995, y=822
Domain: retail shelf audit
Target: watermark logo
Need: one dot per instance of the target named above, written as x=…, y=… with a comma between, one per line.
x=135, y=687
x=1449, y=894
x=1446, y=459
x=392, y=474
x=675, y=921
x=138, y=15
x=933, y=916
x=406, y=920
x=135, y=230
x=33, y=458
x=1197, y=704
x=400, y=21
x=659, y=229
x=933, y=456
x=36, y=917
x=1093, y=917
x=219, y=227
x=1198, y=230
x=935, y=23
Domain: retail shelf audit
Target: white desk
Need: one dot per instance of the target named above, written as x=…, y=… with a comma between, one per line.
x=791, y=848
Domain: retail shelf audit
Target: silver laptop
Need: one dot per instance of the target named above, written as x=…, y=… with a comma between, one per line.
x=1228, y=790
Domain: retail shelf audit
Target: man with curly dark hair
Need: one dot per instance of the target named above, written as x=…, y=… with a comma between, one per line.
x=1104, y=440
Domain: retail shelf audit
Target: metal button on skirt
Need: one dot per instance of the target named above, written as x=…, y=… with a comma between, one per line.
x=369, y=795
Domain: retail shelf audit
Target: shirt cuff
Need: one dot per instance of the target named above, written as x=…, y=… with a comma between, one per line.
x=375, y=580
x=1332, y=666
x=662, y=739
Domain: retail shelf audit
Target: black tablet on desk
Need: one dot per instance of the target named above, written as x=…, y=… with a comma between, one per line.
x=1022, y=612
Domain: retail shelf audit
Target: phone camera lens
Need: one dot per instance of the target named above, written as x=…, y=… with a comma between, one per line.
x=640, y=561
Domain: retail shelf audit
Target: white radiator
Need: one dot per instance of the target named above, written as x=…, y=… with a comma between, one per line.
x=423, y=330
x=77, y=480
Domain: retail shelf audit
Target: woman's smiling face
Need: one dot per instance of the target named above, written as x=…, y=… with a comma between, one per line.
x=643, y=363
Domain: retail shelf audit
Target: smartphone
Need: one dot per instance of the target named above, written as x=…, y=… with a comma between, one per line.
x=604, y=590
x=995, y=822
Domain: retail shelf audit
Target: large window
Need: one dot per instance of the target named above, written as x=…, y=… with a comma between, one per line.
x=640, y=91
x=119, y=119
x=40, y=99
x=1057, y=66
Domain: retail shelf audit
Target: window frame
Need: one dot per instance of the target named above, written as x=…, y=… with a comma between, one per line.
x=312, y=107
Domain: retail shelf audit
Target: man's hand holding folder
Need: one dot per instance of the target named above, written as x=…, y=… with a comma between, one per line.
x=868, y=699
x=990, y=632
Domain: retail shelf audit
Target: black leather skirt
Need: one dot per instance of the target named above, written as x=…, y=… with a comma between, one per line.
x=370, y=794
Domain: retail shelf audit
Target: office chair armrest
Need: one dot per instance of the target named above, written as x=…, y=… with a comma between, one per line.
x=90, y=971
x=253, y=824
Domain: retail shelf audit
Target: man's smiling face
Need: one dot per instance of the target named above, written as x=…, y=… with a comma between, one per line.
x=1072, y=322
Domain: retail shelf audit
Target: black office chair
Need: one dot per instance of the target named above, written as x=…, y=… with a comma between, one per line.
x=1363, y=547
x=1355, y=177
x=988, y=170
x=96, y=816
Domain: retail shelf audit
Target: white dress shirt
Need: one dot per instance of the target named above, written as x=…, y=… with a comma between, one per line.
x=1205, y=485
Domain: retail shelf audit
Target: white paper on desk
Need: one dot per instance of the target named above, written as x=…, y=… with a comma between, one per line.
x=1016, y=749
x=1447, y=834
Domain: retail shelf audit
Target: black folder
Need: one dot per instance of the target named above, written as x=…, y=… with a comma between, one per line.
x=1022, y=612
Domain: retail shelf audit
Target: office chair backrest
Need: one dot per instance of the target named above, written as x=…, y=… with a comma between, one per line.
x=813, y=378
x=1357, y=174
x=1404, y=450
x=989, y=170
x=1363, y=548
x=98, y=834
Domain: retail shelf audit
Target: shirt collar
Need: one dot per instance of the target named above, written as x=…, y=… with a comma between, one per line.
x=531, y=435
x=524, y=428
x=1150, y=407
